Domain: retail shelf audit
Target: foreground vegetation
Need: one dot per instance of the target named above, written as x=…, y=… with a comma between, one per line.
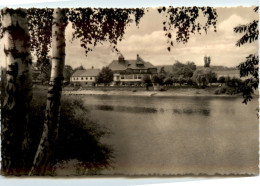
x=79, y=136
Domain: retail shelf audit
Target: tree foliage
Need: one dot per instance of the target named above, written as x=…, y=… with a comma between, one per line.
x=158, y=79
x=67, y=72
x=168, y=81
x=105, y=76
x=183, y=22
x=249, y=68
x=79, y=68
x=40, y=26
x=184, y=70
x=93, y=26
x=146, y=80
x=202, y=77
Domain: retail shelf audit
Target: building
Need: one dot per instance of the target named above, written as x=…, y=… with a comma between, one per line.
x=131, y=72
x=87, y=77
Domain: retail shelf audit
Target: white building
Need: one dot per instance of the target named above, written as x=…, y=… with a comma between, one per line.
x=88, y=76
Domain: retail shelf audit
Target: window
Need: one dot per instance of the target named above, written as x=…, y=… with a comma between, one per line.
x=90, y=78
x=122, y=77
x=77, y=78
x=86, y=78
x=81, y=78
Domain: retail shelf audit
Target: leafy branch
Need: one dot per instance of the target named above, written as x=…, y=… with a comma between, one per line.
x=93, y=26
x=249, y=68
x=183, y=21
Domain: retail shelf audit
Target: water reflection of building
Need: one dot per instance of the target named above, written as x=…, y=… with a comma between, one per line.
x=131, y=72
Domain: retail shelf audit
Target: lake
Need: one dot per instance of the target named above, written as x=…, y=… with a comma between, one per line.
x=178, y=135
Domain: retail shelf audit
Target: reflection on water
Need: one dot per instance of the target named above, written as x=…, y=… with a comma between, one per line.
x=178, y=135
x=124, y=109
x=148, y=110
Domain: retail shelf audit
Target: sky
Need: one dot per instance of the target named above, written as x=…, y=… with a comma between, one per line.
x=149, y=41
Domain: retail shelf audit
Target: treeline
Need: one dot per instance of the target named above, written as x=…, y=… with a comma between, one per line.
x=185, y=74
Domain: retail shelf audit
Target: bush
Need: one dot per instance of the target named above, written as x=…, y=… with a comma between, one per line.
x=221, y=90
x=168, y=81
x=162, y=89
x=79, y=137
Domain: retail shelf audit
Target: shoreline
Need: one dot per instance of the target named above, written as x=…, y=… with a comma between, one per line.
x=200, y=93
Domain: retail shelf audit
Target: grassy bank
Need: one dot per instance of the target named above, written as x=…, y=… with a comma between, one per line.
x=78, y=140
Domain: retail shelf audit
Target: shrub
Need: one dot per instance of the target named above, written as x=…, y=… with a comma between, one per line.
x=168, y=81
x=79, y=137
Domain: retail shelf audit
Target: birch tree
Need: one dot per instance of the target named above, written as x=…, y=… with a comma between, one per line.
x=42, y=162
x=18, y=92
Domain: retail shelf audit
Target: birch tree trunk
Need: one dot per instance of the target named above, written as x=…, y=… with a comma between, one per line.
x=18, y=92
x=43, y=160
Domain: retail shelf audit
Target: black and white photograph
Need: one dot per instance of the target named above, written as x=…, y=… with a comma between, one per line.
x=149, y=91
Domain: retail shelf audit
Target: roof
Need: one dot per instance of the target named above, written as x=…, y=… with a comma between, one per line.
x=87, y=72
x=115, y=65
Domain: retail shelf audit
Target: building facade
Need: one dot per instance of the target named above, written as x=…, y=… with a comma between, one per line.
x=131, y=72
x=87, y=77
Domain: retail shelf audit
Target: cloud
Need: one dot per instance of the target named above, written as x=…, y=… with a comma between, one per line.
x=229, y=24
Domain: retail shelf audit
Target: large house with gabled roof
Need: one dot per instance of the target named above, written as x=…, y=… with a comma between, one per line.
x=131, y=72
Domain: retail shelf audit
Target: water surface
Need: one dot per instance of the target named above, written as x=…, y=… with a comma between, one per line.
x=178, y=135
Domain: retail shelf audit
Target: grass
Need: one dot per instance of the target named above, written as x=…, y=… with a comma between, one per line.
x=79, y=137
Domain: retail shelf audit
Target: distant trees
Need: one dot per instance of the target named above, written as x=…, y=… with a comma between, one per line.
x=168, y=81
x=162, y=71
x=231, y=85
x=67, y=73
x=158, y=79
x=184, y=70
x=79, y=68
x=202, y=77
x=147, y=81
x=182, y=73
x=105, y=76
x=221, y=79
x=207, y=61
x=44, y=64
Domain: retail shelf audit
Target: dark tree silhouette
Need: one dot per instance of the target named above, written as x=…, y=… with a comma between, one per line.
x=105, y=76
x=183, y=21
x=67, y=73
x=79, y=68
x=40, y=24
x=249, y=68
x=94, y=26
x=146, y=80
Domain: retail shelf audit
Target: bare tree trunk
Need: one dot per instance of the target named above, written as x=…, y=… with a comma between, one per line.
x=18, y=92
x=43, y=160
